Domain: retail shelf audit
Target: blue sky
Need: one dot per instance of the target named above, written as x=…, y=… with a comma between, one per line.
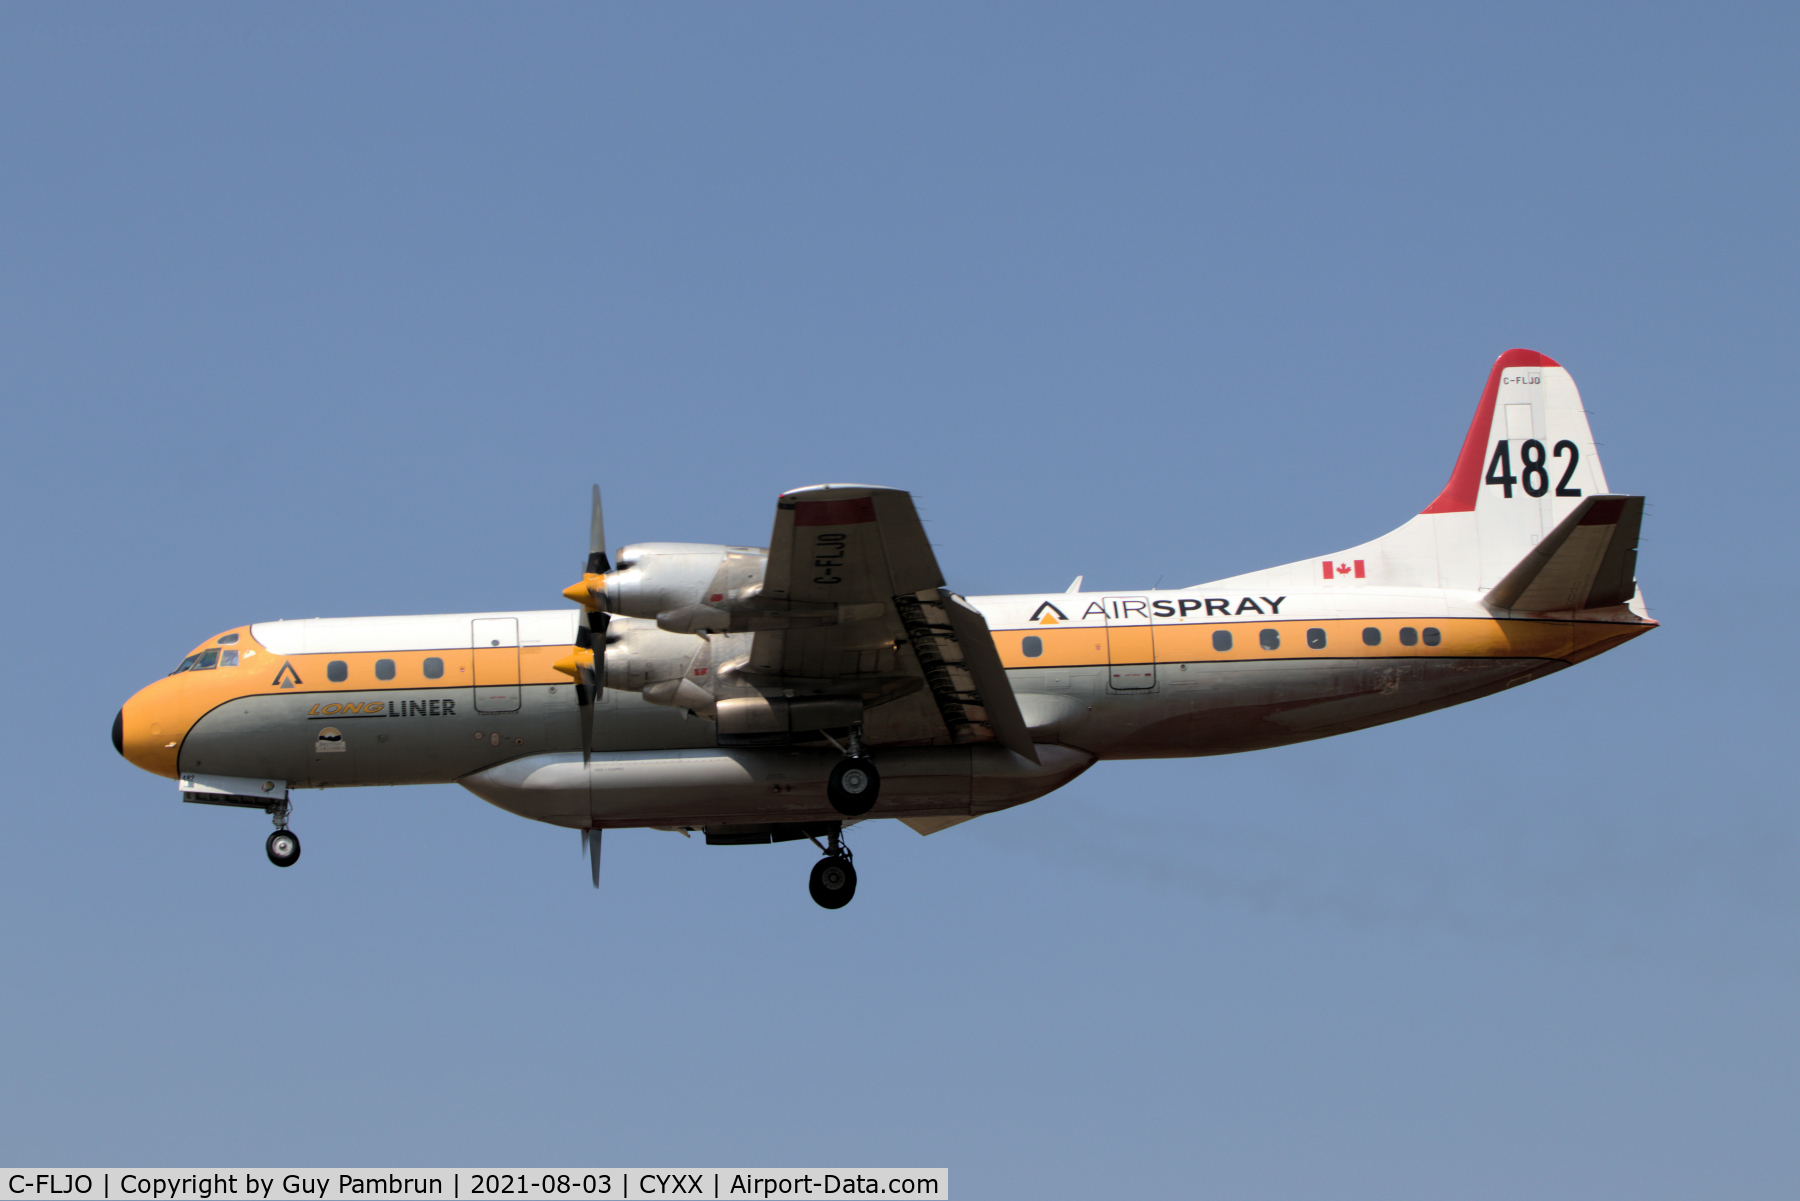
x=338, y=310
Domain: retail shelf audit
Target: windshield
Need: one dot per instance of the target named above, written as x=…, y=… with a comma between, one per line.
x=185, y=664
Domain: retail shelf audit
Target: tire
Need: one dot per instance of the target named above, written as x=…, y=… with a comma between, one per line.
x=833, y=882
x=853, y=787
x=284, y=848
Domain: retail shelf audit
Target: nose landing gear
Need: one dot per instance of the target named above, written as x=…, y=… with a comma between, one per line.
x=833, y=879
x=283, y=845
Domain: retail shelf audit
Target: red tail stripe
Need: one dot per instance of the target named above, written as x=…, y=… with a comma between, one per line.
x=1458, y=495
x=834, y=512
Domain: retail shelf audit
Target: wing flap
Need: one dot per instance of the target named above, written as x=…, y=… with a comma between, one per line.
x=1589, y=561
x=962, y=670
x=993, y=691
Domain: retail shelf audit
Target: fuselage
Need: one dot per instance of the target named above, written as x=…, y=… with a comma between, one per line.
x=772, y=694
x=1206, y=671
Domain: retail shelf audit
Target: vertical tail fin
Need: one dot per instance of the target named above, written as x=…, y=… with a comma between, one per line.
x=1527, y=463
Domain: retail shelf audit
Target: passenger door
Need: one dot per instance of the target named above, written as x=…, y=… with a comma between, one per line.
x=495, y=642
x=1130, y=643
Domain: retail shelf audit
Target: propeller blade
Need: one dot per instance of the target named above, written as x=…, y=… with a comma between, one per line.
x=596, y=560
x=584, y=699
x=590, y=844
x=590, y=676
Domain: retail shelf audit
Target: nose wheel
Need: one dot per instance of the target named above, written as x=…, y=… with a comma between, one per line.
x=283, y=845
x=833, y=880
x=854, y=783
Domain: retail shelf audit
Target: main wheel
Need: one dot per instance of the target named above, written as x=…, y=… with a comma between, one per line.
x=833, y=882
x=853, y=786
x=284, y=848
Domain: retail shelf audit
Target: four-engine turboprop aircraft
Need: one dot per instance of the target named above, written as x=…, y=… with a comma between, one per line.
x=768, y=695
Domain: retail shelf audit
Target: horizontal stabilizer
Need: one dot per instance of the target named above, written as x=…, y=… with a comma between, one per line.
x=1589, y=561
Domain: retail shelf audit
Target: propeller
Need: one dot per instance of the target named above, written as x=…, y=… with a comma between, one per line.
x=587, y=664
x=590, y=846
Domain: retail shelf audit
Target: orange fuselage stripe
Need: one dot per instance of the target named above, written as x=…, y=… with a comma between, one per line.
x=1459, y=638
x=159, y=716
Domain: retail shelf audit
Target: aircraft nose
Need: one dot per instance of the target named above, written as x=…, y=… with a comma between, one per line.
x=149, y=729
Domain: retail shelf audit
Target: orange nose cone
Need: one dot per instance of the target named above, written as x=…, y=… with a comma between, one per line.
x=586, y=593
x=149, y=729
x=570, y=665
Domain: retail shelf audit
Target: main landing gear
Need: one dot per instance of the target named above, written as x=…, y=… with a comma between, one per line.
x=833, y=880
x=283, y=845
x=853, y=786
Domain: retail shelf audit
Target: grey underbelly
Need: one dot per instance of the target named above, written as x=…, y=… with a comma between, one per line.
x=424, y=736
x=437, y=735
x=1223, y=708
x=705, y=787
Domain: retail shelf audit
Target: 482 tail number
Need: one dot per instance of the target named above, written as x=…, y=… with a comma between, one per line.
x=1534, y=474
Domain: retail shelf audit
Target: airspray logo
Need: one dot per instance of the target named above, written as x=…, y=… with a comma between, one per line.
x=1139, y=608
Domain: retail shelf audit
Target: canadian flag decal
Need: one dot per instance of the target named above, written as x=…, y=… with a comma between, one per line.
x=1335, y=571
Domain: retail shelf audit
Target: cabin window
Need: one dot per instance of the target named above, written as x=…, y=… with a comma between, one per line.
x=434, y=668
x=1315, y=638
x=209, y=659
x=337, y=671
x=228, y=659
x=1033, y=646
x=1270, y=639
x=228, y=640
x=185, y=664
x=1409, y=636
x=384, y=669
x=1221, y=640
x=1371, y=636
x=1432, y=637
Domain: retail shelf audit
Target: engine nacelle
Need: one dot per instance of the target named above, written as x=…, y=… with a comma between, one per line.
x=701, y=588
x=638, y=654
x=657, y=577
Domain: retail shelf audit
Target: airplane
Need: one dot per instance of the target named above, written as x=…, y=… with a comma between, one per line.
x=762, y=695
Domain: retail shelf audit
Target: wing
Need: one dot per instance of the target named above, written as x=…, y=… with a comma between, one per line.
x=868, y=616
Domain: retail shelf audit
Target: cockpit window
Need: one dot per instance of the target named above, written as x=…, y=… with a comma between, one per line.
x=228, y=659
x=228, y=640
x=209, y=659
x=185, y=664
